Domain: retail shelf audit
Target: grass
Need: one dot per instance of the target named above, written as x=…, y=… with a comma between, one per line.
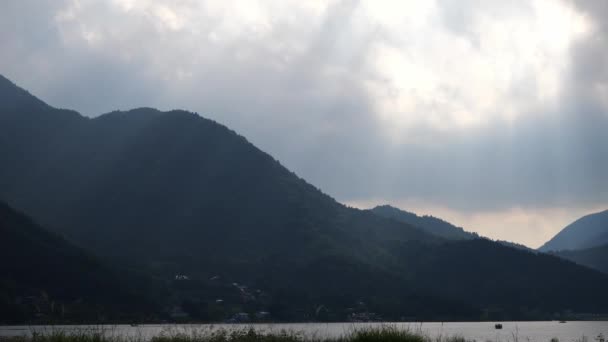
x=59, y=337
x=385, y=333
x=390, y=333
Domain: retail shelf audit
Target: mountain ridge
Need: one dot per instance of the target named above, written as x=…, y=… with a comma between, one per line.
x=594, y=257
x=586, y=232
x=173, y=194
x=436, y=226
x=431, y=224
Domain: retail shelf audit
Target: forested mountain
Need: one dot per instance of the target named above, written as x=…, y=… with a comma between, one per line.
x=586, y=232
x=184, y=187
x=435, y=226
x=595, y=257
x=43, y=277
x=430, y=224
x=185, y=199
x=498, y=276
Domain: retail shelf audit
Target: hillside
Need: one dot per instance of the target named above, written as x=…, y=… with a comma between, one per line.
x=185, y=199
x=430, y=224
x=43, y=277
x=512, y=281
x=586, y=232
x=596, y=257
x=436, y=226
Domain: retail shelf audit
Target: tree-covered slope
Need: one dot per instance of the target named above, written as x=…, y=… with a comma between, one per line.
x=430, y=224
x=43, y=277
x=595, y=257
x=172, y=193
x=586, y=232
x=435, y=226
x=174, y=184
x=496, y=276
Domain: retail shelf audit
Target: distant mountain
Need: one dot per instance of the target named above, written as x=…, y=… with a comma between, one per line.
x=44, y=277
x=596, y=257
x=435, y=226
x=430, y=224
x=187, y=200
x=586, y=232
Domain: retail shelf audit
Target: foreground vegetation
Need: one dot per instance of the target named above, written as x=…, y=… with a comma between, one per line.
x=373, y=334
x=385, y=333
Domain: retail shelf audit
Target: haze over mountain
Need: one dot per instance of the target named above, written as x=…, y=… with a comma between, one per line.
x=178, y=196
x=586, y=232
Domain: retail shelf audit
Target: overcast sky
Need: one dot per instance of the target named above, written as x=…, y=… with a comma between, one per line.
x=491, y=114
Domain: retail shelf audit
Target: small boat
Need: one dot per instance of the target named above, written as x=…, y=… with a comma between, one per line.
x=562, y=321
x=134, y=324
x=498, y=326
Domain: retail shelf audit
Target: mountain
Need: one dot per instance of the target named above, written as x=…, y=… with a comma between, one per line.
x=175, y=194
x=229, y=229
x=586, y=232
x=595, y=257
x=44, y=277
x=435, y=226
x=512, y=281
x=430, y=224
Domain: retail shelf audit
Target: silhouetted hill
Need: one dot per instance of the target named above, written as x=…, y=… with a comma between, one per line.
x=498, y=276
x=430, y=224
x=185, y=187
x=43, y=278
x=187, y=200
x=436, y=226
x=596, y=257
x=586, y=232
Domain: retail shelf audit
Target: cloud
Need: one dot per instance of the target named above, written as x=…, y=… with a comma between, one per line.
x=476, y=106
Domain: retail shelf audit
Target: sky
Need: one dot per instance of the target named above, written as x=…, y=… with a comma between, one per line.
x=490, y=114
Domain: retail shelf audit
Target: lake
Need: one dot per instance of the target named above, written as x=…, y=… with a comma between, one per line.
x=479, y=331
